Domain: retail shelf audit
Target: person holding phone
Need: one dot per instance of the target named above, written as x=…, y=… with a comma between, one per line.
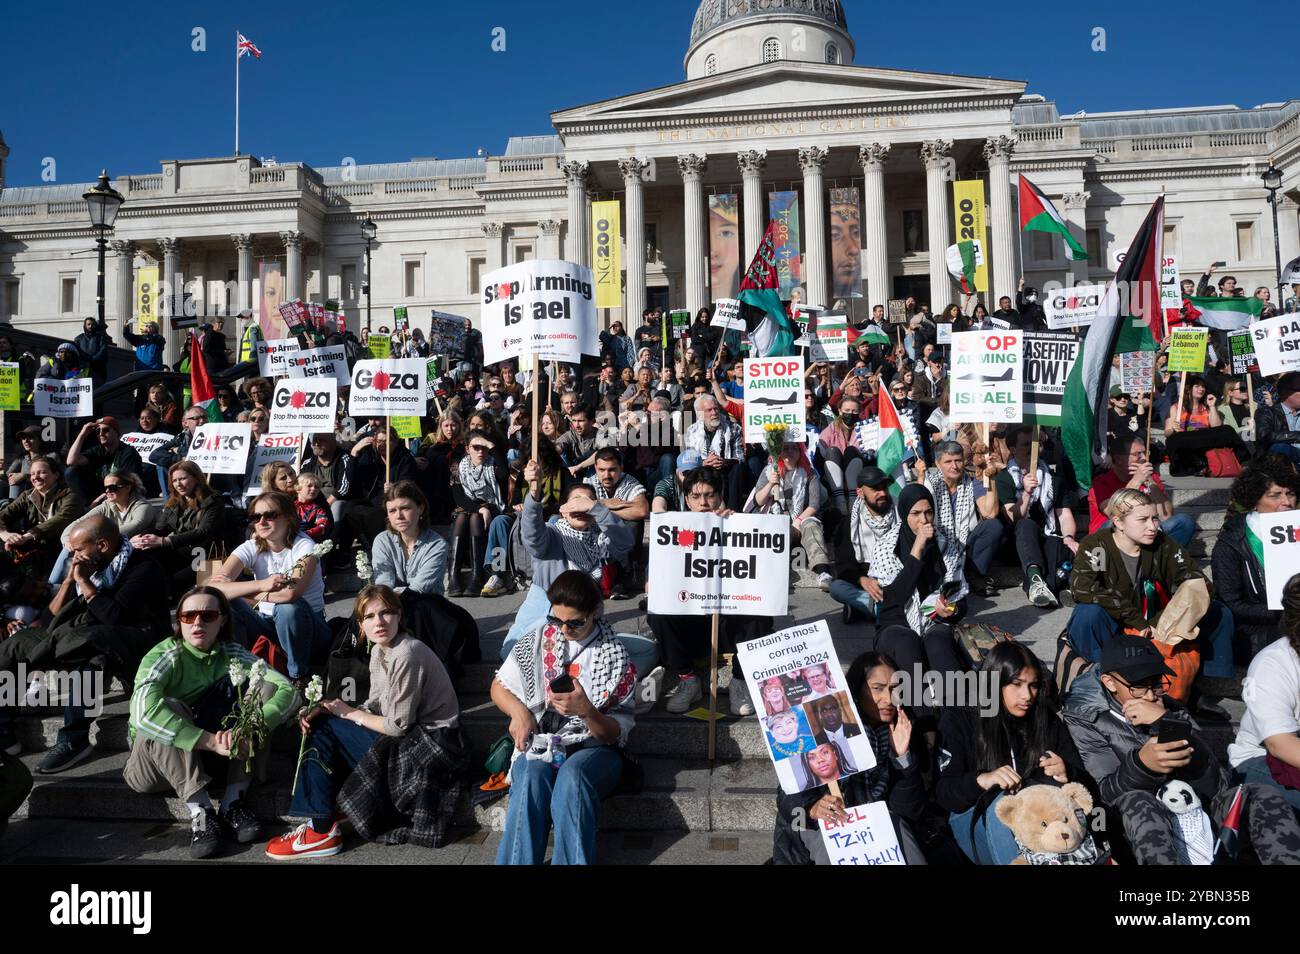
x=569, y=689
x=1133, y=739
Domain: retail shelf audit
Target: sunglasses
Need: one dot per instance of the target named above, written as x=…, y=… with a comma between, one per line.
x=264, y=516
x=112, y=488
x=194, y=616
x=481, y=448
x=569, y=624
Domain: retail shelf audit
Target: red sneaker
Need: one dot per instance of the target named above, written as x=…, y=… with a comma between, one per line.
x=303, y=842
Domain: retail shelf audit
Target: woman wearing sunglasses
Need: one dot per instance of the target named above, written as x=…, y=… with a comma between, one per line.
x=182, y=693
x=285, y=599
x=124, y=503
x=568, y=687
x=192, y=518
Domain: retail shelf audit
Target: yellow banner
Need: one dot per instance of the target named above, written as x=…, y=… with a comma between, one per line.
x=146, y=295
x=605, y=265
x=9, y=396
x=380, y=346
x=968, y=213
x=407, y=428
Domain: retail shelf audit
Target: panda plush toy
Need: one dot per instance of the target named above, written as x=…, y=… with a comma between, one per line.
x=1192, y=828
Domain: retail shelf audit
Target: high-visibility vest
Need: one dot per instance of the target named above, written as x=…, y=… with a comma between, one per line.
x=248, y=343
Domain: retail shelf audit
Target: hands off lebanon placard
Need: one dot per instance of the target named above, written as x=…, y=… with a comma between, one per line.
x=221, y=448
x=701, y=563
x=1187, y=349
x=393, y=386
x=810, y=720
x=74, y=397
x=867, y=837
x=303, y=405
x=774, y=395
x=546, y=308
x=987, y=377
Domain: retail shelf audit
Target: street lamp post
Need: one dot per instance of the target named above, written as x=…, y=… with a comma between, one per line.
x=368, y=229
x=1272, y=177
x=103, y=201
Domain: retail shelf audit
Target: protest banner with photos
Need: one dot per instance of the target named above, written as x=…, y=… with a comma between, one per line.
x=320, y=363
x=987, y=377
x=1242, y=346
x=145, y=444
x=867, y=837
x=726, y=315
x=221, y=448
x=447, y=333
x=394, y=386
x=809, y=719
x=1277, y=344
x=774, y=395
x=831, y=342
x=1073, y=307
x=701, y=563
x=1047, y=364
x=1137, y=372
x=303, y=405
x=545, y=307
x=1275, y=540
x=55, y=397
x=1187, y=349
x=273, y=448
x=273, y=356
x=10, y=388
x=379, y=345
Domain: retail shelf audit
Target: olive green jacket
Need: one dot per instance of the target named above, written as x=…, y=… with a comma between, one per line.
x=1099, y=575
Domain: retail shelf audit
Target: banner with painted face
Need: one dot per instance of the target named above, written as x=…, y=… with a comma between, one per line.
x=221, y=448
x=303, y=405
x=393, y=386
x=545, y=308
x=270, y=281
x=784, y=209
x=55, y=397
x=846, y=244
x=701, y=563
x=724, y=245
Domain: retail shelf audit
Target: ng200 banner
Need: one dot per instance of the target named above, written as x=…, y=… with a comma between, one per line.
x=605, y=257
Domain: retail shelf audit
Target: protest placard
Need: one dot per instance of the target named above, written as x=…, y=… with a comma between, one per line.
x=726, y=315
x=317, y=312
x=401, y=321
x=701, y=563
x=1277, y=344
x=897, y=311
x=986, y=379
x=543, y=307
x=1137, y=372
x=1073, y=307
x=810, y=720
x=10, y=393
x=74, y=397
x=943, y=333
x=394, y=386
x=380, y=346
x=1047, y=364
x=1171, y=292
x=679, y=323
x=273, y=356
x=303, y=405
x=1275, y=539
x=221, y=448
x=295, y=314
x=831, y=341
x=407, y=428
x=447, y=333
x=774, y=395
x=1187, y=349
x=145, y=444
x=319, y=363
x=271, y=449
x=866, y=837
x=1242, y=346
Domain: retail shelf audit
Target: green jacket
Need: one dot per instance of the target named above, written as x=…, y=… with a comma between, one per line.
x=1100, y=577
x=45, y=521
x=176, y=670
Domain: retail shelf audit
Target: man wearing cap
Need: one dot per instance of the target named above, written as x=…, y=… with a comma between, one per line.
x=668, y=495
x=97, y=452
x=966, y=510
x=1115, y=712
x=1277, y=426
x=871, y=520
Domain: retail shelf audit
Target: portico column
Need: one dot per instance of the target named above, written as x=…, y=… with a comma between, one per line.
x=125, y=252
x=495, y=253
x=752, y=162
x=549, y=246
x=997, y=150
x=293, y=263
x=811, y=160
x=244, y=279
x=1076, y=216
x=873, y=156
x=1288, y=231
x=934, y=154
x=697, y=272
x=631, y=168
x=174, y=301
x=578, y=246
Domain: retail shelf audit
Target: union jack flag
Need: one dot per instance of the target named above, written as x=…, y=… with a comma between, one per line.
x=246, y=46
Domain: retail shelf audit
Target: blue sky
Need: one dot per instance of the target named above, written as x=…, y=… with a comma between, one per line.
x=384, y=82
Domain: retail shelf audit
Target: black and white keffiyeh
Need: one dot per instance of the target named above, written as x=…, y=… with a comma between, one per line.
x=956, y=517
x=725, y=441
x=889, y=564
x=1043, y=493
x=480, y=483
x=585, y=550
x=869, y=530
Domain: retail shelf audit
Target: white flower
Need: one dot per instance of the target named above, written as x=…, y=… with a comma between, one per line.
x=364, y=571
x=237, y=676
x=322, y=548
x=257, y=675
x=315, y=690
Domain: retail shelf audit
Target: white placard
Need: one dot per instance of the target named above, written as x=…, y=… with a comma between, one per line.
x=944, y=333
x=273, y=356
x=1049, y=358
x=1137, y=372
x=74, y=397
x=1278, y=535
x=303, y=405
x=774, y=395
x=273, y=448
x=221, y=448
x=866, y=838
x=726, y=315
x=809, y=719
x=1171, y=291
x=1073, y=307
x=701, y=563
x=986, y=377
x=329, y=362
x=391, y=386
x=1277, y=344
x=544, y=307
x=145, y=444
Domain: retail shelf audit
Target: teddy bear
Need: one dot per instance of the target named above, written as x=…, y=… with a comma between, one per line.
x=1050, y=824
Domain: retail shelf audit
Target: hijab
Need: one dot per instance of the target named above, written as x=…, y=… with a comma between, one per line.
x=933, y=569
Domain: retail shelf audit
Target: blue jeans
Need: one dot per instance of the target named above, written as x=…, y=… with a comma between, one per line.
x=498, y=541
x=338, y=746
x=61, y=566
x=854, y=596
x=1091, y=627
x=530, y=614
x=296, y=628
x=1255, y=771
x=662, y=470
x=642, y=651
x=569, y=799
x=992, y=843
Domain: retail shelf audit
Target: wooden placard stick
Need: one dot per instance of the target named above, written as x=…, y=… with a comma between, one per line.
x=713, y=686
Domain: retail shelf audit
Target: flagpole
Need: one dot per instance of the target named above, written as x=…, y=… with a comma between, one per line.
x=236, y=93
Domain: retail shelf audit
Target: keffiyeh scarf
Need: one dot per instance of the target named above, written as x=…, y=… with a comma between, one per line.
x=1043, y=494
x=888, y=566
x=869, y=530
x=105, y=578
x=585, y=550
x=480, y=483
x=956, y=518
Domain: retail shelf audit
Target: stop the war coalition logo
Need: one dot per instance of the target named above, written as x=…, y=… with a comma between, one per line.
x=303, y=405
x=546, y=308
x=391, y=386
x=701, y=563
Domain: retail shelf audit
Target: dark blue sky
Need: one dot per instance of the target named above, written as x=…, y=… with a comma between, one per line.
x=382, y=81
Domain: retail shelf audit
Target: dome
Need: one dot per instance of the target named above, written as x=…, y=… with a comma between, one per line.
x=719, y=14
x=733, y=34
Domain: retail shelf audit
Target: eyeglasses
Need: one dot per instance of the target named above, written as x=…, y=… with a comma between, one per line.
x=194, y=616
x=264, y=516
x=569, y=624
x=112, y=488
x=1153, y=690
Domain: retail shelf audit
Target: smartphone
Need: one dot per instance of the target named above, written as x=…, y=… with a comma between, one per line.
x=1174, y=731
x=1220, y=264
x=562, y=683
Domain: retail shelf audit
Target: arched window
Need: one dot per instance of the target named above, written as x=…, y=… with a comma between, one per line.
x=710, y=64
x=771, y=49
x=832, y=53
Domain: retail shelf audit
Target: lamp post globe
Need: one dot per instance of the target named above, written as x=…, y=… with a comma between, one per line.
x=1272, y=178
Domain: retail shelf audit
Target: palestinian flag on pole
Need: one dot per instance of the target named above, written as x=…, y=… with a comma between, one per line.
x=873, y=334
x=891, y=452
x=963, y=259
x=202, y=393
x=1225, y=313
x=771, y=332
x=1037, y=214
x=1128, y=319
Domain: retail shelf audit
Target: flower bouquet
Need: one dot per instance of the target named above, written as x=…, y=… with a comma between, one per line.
x=246, y=720
x=314, y=692
x=774, y=437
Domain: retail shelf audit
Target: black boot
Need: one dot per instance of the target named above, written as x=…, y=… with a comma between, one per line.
x=478, y=552
x=454, y=587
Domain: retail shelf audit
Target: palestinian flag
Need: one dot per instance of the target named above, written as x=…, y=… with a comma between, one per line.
x=874, y=334
x=202, y=393
x=771, y=331
x=1037, y=214
x=1224, y=313
x=1253, y=539
x=1231, y=827
x=891, y=452
x=963, y=259
x=1128, y=319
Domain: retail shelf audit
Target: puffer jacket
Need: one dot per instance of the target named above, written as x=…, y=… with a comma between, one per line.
x=1108, y=744
x=44, y=519
x=1099, y=576
x=1239, y=581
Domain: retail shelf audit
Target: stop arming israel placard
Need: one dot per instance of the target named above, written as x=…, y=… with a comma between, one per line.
x=726, y=315
x=393, y=386
x=1275, y=540
x=1073, y=307
x=546, y=308
x=221, y=448
x=701, y=563
x=320, y=363
x=145, y=444
x=273, y=448
x=273, y=356
x=774, y=395
x=1048, y=360
x=1277, y=344
x=809, y=718
x=303, y=405
x=986, y=382
x=74, y=397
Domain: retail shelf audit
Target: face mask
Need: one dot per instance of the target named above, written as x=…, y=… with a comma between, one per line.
x=849, y=419
x=1031, y=298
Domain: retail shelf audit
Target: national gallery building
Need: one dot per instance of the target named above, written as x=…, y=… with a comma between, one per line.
x=861, y=166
